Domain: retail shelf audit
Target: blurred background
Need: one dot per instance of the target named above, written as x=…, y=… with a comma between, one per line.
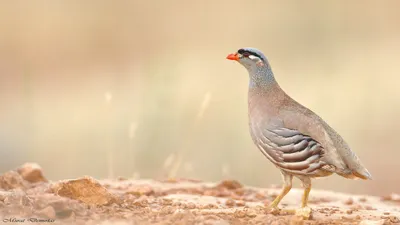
x=143, y=89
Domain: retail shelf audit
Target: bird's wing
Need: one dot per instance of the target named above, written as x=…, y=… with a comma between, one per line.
x=290, y=149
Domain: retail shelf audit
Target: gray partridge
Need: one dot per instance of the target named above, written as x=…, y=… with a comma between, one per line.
x=296, y=140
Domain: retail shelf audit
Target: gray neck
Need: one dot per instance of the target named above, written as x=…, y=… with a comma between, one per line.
x=261, y=77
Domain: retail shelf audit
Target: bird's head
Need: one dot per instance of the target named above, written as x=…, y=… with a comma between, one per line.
x=250, y=58
x=256, y=64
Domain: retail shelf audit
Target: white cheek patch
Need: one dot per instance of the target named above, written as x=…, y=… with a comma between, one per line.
x=258, y=61
x=252, y=57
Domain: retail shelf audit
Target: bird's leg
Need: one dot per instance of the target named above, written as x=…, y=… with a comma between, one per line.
x=304, y=200
x=305, y=211
x=286, y=188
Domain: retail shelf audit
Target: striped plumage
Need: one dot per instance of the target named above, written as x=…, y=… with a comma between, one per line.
x=297, y=140
x=291, y=136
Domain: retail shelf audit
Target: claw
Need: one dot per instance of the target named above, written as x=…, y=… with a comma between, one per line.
x=274, y=210
x=304, y=212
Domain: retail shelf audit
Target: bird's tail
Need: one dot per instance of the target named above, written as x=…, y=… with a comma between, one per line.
x=361, y=173
x=356, y=169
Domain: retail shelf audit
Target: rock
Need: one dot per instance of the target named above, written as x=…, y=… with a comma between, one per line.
x=221, y=222
x=393, y=219
x=296, y=220
x=4, y=195
x=72, y=216
x=18, y=197
x=86, y=190
x=31, y=172
x=393, y=197
x=65, y=214
x=12, y=180
x=372, y=222
x=349, y=201
x=230, y=202
x=230, y=184
x=141, y=190
x=48, y=213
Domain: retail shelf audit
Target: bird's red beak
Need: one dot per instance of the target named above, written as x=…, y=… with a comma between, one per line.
x=233, y=56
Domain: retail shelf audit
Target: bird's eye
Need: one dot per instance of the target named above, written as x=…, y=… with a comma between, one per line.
x=246, y=54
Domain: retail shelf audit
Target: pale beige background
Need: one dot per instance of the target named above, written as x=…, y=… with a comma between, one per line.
x=113, y=88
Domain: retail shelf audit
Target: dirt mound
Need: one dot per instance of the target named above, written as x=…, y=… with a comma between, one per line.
x=26, y=196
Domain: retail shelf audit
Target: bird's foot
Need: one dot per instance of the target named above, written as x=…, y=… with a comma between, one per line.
x=304, y=212
x=272, y=209
x=275, y=210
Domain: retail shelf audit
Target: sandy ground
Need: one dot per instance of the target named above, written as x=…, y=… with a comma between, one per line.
x=27, y=197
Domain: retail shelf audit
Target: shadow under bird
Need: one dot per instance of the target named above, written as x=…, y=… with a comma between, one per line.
x=296, y=140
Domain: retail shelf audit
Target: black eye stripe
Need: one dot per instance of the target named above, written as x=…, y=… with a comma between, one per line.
x=241, y=51
x=248, y=53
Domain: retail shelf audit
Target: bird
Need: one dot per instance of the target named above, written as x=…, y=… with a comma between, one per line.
x=294, y=138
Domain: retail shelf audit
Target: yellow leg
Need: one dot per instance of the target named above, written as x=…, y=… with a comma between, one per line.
x=305, y=211
x=286, y=188
x=305, y=196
